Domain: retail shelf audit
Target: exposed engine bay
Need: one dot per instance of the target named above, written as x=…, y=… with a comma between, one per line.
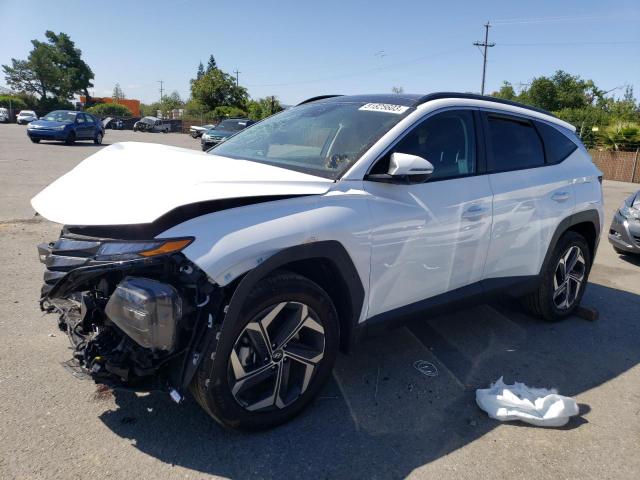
x=137, y=313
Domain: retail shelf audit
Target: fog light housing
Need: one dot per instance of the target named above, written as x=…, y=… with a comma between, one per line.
x=146, y=310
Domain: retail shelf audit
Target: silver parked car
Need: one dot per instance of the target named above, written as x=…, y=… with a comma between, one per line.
x=624, y=233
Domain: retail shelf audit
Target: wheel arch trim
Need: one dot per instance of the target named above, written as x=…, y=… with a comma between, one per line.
x=330, y=251
x=586, y=216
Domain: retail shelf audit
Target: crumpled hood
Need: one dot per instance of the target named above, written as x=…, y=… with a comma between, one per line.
x=130, y=183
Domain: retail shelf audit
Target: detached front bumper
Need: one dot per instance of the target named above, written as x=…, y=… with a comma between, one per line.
x=624, y=234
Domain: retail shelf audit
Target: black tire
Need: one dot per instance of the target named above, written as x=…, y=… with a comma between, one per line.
x=35, y=140
x=541, y=302
x=71, y=138
x=212, y=384
x=98, y=139
x=194, y=134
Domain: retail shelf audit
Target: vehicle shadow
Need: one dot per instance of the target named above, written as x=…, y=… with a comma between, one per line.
x=633, y=259
x=379, y=417
x=79, y=143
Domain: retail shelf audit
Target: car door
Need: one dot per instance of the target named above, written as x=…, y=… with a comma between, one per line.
x=90, y=126
x=531, y=196
x=81, y=126
x=430, y=238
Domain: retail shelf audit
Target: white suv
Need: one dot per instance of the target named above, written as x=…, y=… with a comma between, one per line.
x=241, y=272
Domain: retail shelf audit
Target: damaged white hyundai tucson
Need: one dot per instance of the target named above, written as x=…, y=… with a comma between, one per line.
x=240, y=273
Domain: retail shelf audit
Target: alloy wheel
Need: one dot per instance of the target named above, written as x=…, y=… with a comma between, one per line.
x=276, y=356
x=568, y=277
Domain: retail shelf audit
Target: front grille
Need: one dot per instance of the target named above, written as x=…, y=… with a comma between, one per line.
x=64, y=255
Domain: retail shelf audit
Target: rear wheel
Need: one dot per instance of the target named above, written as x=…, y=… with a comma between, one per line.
x=71, y=138
x=564, y=280
x=276, y=357
x=98, y=139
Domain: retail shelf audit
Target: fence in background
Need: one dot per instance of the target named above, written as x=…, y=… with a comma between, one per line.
x=621, y=166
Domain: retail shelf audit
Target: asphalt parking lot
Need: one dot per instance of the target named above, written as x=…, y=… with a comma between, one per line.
x=377, y=418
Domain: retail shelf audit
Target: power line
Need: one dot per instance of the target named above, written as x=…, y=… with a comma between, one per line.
x=560, y=44
x=368, y=71
x=486, y=45
x=236, y=72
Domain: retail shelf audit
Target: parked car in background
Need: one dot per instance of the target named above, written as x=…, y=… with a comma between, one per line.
x=624, y=232
x=67, y=126
x=4, y=115
x=196, y=131
x=151, y=124
x=26, y=116
x=223, y=130
x=241, y=273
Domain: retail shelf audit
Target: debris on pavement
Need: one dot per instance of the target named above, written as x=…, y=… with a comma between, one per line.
x=536, y=406
x=428, y=369
x=588, y=313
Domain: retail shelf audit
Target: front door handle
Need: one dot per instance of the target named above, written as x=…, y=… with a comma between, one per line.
x=474, y=212
x=560, y=196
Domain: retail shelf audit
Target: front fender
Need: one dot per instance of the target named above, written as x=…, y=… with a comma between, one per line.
x=232, y=242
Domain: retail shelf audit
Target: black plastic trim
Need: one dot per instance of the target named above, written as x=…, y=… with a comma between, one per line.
x=319, y=97
x=148, y=231
x=330, y=250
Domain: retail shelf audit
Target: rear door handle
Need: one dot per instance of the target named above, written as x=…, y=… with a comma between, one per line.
x=560, y=196
x=474, y=212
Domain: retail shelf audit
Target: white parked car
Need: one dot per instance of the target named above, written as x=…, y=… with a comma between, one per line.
x=4, y=115
x=197, y=131
x=240, y=273
x=26, y=116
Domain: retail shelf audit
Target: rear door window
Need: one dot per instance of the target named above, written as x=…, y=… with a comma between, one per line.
x=557, y=145
x=512, y=144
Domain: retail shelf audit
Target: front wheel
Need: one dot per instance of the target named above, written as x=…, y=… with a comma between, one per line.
x=564, y=280
x=194, y=134
x=274, y=359
x=71, y=138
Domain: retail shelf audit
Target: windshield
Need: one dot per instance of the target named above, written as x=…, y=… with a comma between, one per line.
x=231, y=125
x=149, y=120
x=60, y=116
x=322, y=139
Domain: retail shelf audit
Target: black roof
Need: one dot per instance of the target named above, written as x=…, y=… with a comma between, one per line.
x=413, y=100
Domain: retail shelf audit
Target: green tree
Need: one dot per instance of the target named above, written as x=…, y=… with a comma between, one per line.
x=263, y=107
x=110, y=110
x=506, y=92
x=561, y=90
x=77, y=75
x=200, y=71
x=218, y=89
x=13, y=102
x=117, y=94
x=54, y=68
x=228, y=112
x=211, y=64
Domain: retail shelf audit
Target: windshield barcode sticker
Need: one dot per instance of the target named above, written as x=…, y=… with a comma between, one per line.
x=384, y=107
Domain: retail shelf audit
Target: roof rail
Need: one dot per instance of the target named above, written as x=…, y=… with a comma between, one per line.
x=319, y=97
x=438, y=95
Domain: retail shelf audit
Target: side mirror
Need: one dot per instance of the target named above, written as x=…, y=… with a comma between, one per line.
x=405, y=165
x=404, y=168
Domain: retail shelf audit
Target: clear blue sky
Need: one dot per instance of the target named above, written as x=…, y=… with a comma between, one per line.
x=298, y=49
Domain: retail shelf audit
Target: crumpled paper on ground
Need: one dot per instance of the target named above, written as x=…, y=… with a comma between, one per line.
x=536, y=406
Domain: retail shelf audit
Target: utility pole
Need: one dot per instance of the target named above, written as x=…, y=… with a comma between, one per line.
x=484, y=44
x=236, y=72
x=161, y=82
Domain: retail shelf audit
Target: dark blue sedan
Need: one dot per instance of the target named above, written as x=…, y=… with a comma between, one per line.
x=67, y=126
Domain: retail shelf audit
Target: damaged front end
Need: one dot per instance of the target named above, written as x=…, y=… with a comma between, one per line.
x=138, y=313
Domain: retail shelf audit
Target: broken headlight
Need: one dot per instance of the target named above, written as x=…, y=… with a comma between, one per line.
x=148, y=311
